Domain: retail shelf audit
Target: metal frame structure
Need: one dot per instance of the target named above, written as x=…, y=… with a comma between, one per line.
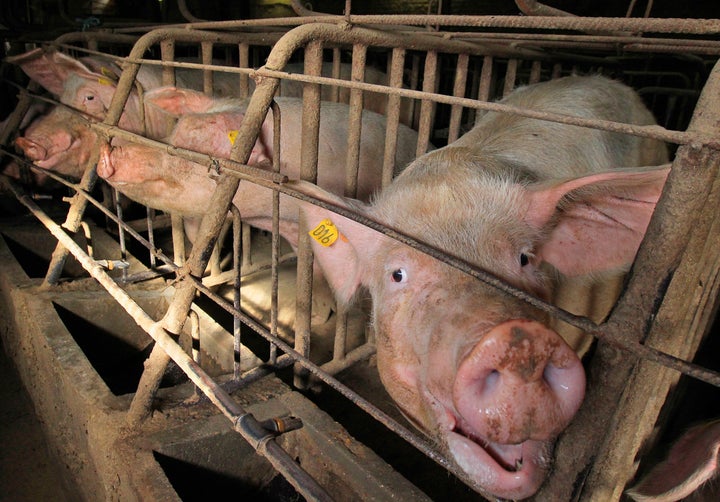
x=654, y=328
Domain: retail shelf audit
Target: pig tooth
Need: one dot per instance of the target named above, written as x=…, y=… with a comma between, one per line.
x=518, y=464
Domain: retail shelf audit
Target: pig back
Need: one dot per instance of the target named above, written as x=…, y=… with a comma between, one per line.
x=549, y=150
x=333, y=144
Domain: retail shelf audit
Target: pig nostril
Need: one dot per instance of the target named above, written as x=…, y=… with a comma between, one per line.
x=492, y=380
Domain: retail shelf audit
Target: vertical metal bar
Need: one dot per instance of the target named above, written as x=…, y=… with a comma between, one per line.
x=414, y=80
x=557, y=70
x=237, y=325
x=336, y=73
x=486, y=76
x=510, y=76
x=121, y=231
x=535, y=72
x=275, y=242
x=393, y=116
x=458, y=91
x=167, y=53
x=308, y=172
x=352, y=163
x=207, y=58
x=151, y=236
x=427, y=107
x=246, y=245
x=244, y=62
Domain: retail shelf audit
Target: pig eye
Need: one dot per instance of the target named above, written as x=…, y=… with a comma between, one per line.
x=524, y=259
x=399, y=275
x=89, y=97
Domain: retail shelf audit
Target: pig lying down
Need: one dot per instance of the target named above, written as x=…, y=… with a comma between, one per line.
x=479, y=371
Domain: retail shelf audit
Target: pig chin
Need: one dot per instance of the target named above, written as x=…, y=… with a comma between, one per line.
x=506, y=471
x=511, y=471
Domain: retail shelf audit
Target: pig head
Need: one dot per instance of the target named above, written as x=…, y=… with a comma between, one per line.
x=59, y=140
x=478, y=370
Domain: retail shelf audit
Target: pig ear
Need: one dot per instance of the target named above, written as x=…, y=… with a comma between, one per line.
x=596, y=222
x=49, y=69
x=690, y=462
x=176, y=101
x=342, y=262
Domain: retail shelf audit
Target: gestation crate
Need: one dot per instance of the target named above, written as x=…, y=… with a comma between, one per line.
x=166, y=359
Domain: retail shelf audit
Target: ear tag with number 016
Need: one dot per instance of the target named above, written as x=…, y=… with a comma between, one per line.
x=326, y=233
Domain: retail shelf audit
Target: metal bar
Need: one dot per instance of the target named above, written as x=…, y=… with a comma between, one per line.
x=427, y=106
x=209, y=226
x=352, y=163
x=243, y=422
x=397, y=66
x=459, y=91
x=308, y=171
x=237, y=325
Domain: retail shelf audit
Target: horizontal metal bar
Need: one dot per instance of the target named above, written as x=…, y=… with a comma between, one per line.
x=244, y=423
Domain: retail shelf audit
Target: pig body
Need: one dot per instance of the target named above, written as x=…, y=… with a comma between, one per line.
x=159, y=180
x=479, y=371
x=61, y=142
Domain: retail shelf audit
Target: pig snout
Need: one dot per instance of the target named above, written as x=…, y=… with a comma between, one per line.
x=31, y=149
x=520, y=382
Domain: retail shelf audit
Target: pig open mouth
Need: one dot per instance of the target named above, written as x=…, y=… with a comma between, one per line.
x=512, y=471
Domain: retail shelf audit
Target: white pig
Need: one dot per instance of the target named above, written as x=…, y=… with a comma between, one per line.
x=532, y=201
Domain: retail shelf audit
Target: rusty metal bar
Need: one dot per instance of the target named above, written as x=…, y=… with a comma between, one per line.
x=586, y=24
x=308, y=171
x=663, y=261
x=237, y=325
x=275, y=258
x=352, y=163
x=210, y=224
x=397, y=65
x=243, y=422
x=427, y=106
x=206, y=48
x=458, y=91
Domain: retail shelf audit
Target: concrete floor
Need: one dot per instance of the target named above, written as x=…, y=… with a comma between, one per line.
x=27, y=472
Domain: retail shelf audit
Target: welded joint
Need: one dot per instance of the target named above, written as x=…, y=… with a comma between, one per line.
x=258, y=433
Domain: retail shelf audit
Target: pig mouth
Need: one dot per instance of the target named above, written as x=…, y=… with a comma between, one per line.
x=511, y=471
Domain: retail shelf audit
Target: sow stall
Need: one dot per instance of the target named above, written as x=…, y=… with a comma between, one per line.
x=253, y=358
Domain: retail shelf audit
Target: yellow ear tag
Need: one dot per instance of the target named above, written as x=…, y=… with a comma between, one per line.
x=232, y=136
x=326, y=233
x=107, y=72
x=104, y=81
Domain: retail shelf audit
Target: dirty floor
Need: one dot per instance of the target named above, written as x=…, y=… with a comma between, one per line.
x=27, y=473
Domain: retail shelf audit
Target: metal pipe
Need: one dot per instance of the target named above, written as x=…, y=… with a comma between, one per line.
x=308, y=172
x=243, y=422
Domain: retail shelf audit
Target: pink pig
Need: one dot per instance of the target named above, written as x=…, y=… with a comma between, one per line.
x=157, y=179
x=476, y=369
x=59, y=140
